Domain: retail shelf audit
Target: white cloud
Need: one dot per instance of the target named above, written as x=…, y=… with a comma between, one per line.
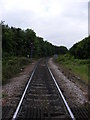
x=60, y=22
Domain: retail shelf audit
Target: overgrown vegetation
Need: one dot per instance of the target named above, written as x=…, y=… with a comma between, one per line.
x=78, y=59
x=17, y=44
x=12, y=66
x=81, y=50
x=78, y=66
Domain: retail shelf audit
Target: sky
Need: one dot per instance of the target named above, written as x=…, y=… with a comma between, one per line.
x=61, y=22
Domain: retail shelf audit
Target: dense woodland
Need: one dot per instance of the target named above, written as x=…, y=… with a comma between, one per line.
x=18, y=42
x=81, y=50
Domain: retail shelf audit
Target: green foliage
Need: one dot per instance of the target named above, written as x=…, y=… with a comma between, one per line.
x=78, y=66
x=81, y=49
x=17, y=42
x=11, y=66
x=63, y=50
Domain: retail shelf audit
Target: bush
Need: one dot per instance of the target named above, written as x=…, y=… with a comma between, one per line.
x=12, y=66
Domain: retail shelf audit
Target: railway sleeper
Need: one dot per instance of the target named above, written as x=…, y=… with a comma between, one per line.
x=34, y=113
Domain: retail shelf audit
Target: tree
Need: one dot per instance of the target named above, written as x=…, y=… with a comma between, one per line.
x=81, y=49
x=17, y=42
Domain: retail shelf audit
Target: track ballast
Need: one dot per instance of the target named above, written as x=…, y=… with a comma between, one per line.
x=42, y=99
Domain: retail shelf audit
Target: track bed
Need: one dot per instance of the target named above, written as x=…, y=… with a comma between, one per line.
x=42, y=99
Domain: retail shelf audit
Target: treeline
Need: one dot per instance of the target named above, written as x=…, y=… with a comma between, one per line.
x=81, y=50
x=18, y=42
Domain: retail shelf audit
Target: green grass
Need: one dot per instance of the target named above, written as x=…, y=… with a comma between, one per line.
x=11, y=66
x=80, y=70
x=77, y=66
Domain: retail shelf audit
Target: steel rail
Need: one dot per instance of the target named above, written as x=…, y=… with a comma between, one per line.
x=21, y=100
x=65, y=102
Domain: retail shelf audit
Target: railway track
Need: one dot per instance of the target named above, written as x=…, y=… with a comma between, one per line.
x=42, y=98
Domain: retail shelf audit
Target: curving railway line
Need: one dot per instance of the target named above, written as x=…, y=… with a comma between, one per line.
x=42, y=98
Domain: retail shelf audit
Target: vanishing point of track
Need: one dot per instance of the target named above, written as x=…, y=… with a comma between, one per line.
x=42, y=98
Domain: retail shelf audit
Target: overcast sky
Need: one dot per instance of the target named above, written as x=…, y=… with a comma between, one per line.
x=61, y=22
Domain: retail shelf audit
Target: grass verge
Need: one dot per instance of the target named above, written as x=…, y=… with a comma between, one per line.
x=11, y=66
x=78, y=66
